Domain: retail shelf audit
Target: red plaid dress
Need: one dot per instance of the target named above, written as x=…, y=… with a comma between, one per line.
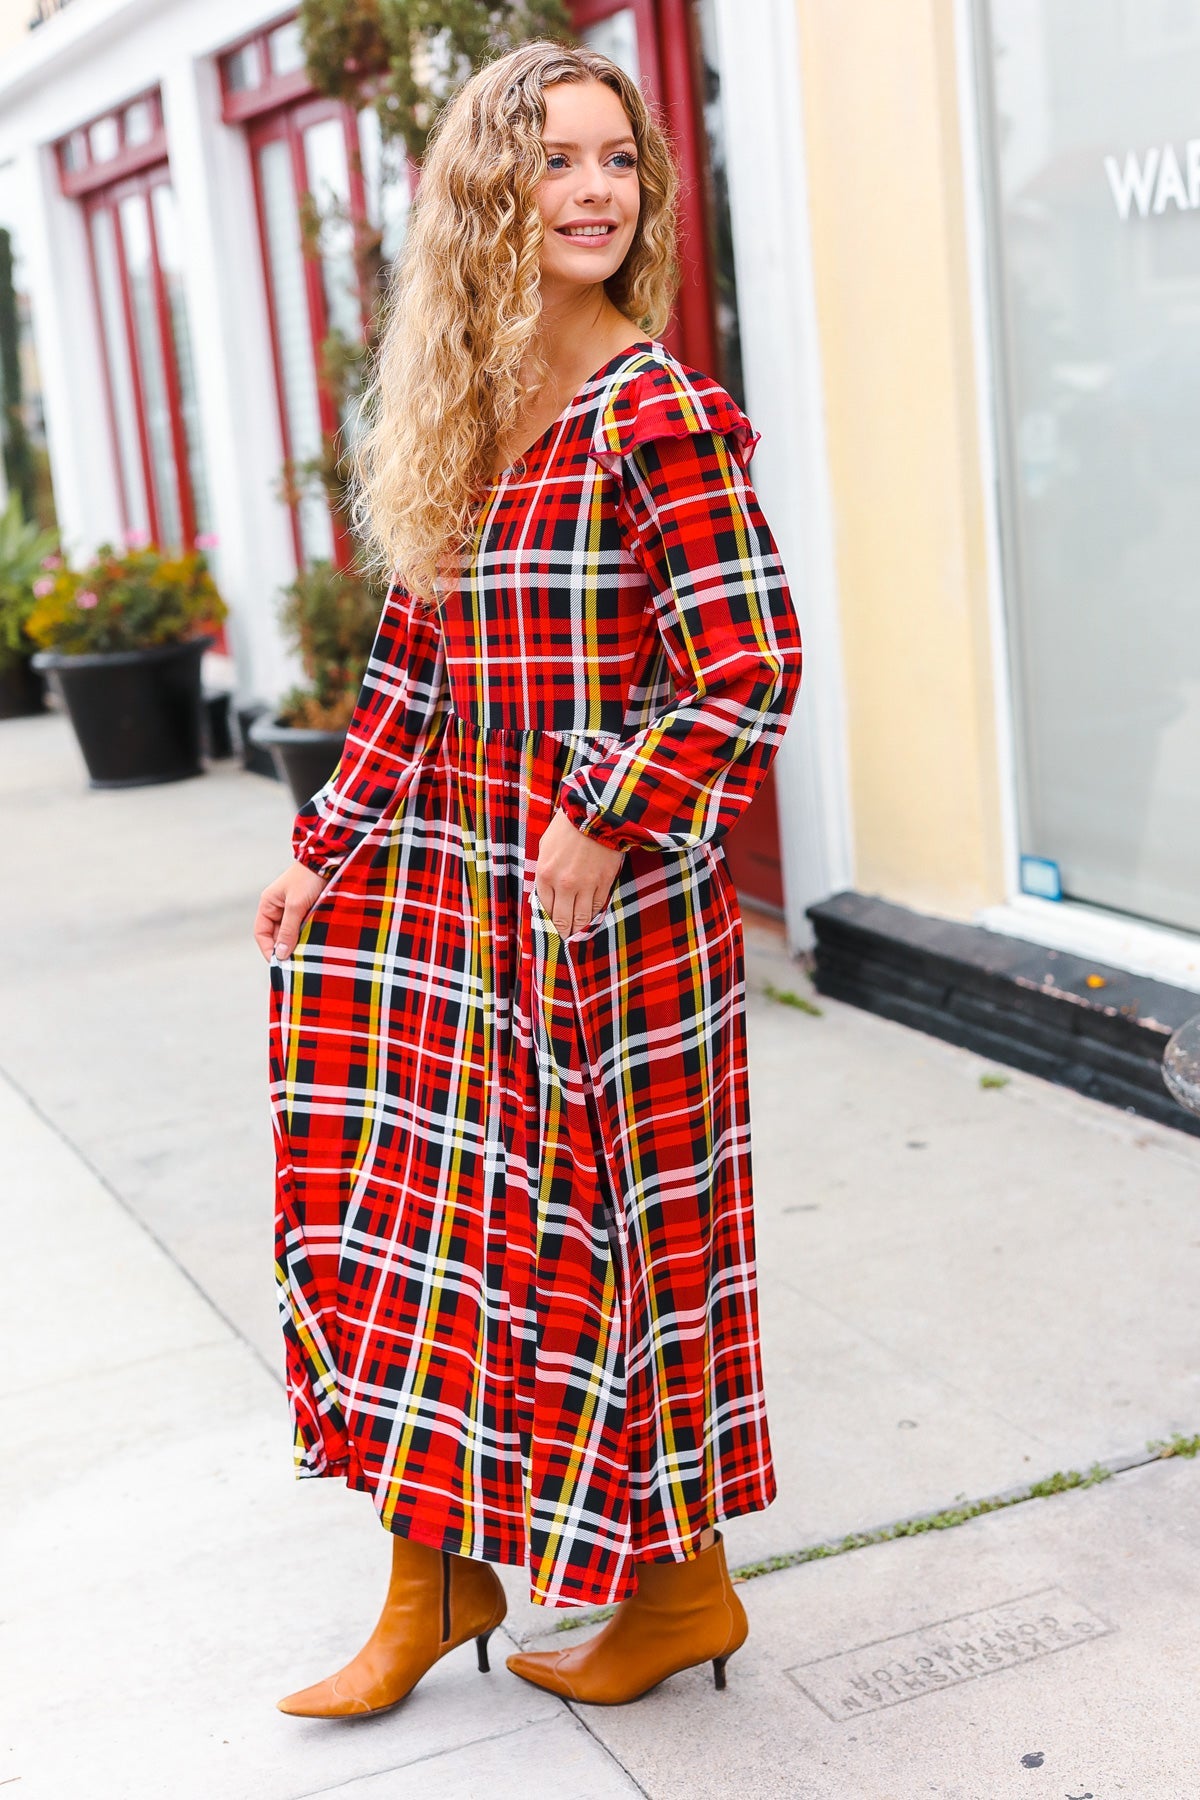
x=515, y=1244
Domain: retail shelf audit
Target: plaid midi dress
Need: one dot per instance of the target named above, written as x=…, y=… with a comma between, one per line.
x=515, y=1248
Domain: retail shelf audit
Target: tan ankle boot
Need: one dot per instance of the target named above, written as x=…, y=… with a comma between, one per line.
x=682, y=1614
x=435, y=1602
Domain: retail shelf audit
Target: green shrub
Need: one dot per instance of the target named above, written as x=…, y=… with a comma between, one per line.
x=128, y=600
x=329, y=617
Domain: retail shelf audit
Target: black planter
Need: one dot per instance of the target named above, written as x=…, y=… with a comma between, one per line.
x=304, y=759
x=218, y=732
x=22, y=690
x=137, y=713
x=256, y=758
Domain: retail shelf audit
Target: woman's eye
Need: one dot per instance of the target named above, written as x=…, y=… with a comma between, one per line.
x=625, y=159
x=556, y=159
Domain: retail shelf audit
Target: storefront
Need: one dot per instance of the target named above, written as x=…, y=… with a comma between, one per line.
x=1004, y=197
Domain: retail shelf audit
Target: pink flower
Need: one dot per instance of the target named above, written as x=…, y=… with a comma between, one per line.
x=207, y=540
x=87, y=599
x=137, y=540
x=52, y=562
x=43, y=585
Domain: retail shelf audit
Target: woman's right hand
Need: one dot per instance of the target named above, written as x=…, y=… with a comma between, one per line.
x=283, y=908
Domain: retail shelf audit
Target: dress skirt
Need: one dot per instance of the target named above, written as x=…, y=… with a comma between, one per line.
x=515, y=1245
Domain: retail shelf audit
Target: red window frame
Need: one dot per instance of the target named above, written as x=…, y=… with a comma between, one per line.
x=109, y=199
x=271, y=90
x=75, y=182
x=102, y=186
x=287, y=124
x=280, y=108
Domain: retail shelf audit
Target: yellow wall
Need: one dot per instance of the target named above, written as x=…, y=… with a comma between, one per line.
x=885, y=180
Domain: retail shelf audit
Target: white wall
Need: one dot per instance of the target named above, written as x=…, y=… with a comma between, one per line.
x=89, y=58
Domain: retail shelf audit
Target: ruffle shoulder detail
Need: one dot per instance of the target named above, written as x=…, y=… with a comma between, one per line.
x=665, y=400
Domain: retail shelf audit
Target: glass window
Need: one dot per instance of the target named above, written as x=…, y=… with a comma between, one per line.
x=104, y=138
x=156, y=404
x=166, y=232
x=293, y=334
x=242, y=69
x=139, y=122
x=143, y=315
x=386, y=181
x=1096, y=153
x=329, y=185
x=285, y=49
x=616, y=37
x=75, y=151
x=120, y=371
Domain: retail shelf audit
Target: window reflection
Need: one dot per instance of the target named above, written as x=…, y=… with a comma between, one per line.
x=1101, y=360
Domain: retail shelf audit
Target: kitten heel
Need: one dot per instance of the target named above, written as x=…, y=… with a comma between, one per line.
x=481, y=1650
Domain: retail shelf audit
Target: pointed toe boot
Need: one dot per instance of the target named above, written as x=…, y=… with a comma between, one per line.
x=683, y=1614
x=435, y=1602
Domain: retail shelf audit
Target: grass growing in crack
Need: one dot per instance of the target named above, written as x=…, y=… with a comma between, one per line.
x=592, y=1618
x=1175, y=1446
x=786, y=997
x=1059, y=1483
x=1062, y=1482
x=992, y=1080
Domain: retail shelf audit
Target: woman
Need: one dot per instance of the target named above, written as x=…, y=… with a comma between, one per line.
x=509, y=1080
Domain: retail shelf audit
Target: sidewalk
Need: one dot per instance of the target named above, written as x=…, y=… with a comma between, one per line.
x=966, y=1290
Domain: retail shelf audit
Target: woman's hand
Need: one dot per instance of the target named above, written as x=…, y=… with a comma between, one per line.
x=283, y=908
x=574, y=875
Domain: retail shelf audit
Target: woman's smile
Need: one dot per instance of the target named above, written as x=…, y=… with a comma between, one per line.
x=589, y=232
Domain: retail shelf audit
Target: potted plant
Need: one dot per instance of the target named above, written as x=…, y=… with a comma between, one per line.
x=329, y=617
x=124, y=637
x=27, y=554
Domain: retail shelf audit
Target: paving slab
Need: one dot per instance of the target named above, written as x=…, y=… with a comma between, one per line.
x=1048, y=1652
x=163, y=1577
x=552, y=1760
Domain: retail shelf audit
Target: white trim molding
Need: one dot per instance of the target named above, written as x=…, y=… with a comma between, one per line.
x=761, y=99
x=979, y=281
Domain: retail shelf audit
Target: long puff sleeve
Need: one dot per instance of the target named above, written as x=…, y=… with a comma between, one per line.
x=397, y=720
x=724, y=615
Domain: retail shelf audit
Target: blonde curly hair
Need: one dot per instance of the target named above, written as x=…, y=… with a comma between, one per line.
x=465, y=301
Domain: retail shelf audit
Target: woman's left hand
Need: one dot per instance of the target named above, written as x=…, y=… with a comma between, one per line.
x=574, y=875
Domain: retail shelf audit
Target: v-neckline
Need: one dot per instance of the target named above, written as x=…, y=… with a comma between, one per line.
x=620, y=355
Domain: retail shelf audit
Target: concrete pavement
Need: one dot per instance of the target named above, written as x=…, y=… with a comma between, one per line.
x=965, y=1288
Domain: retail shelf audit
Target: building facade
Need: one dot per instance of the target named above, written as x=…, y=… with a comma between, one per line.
x=946, y=255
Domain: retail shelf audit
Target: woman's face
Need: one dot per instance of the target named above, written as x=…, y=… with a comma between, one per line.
x=590, y=196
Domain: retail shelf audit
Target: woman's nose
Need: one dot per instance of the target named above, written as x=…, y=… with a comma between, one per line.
x=593, y=183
